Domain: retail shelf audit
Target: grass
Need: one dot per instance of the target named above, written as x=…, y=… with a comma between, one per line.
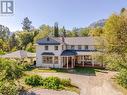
x=77, y=70
x=81, y=70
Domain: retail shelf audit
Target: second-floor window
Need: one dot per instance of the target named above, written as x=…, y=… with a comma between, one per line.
x=86, y=47
x=72, y=47
x=46, y=47
x=56, y=47
x=79, y=47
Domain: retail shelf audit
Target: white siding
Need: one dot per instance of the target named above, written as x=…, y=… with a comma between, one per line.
x=41, y=48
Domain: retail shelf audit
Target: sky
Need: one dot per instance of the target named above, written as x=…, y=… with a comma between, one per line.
x=68, y=13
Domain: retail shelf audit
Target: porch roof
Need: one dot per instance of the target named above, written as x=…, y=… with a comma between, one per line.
x=68, y=53
x=47, y=53
x=78, y=52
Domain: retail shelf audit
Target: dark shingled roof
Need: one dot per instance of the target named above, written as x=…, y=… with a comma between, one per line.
x=48, y=41
x=74, y=52
x=47, y=53
x=70, y=41
x=68, y=53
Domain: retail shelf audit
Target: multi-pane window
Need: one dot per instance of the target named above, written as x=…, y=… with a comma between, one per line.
x=67, y=46
x=87, y=57
x=46, y=47
x=62, y=47
x=86, y=47
x=56, y=59
x=56, y=47
x=79, y=47
x=72, y=47
x=47, y=59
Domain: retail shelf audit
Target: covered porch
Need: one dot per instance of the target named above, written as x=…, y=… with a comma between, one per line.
x=71, y=59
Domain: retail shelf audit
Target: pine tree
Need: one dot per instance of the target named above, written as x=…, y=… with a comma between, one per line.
x=64, y=31
x=26, y=24
x=56, y=30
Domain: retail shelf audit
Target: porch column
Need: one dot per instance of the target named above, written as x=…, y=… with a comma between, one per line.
x=62, y=58
x=72, y=63
x=92, y=60
x=63, y=61
x=60, y=62
x=67, y=62
x=83, y=61
x=53, y=61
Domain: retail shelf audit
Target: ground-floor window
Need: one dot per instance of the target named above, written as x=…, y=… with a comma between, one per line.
x=84, y=58
x=88, y=57
x=47, y=59
x=56, y=59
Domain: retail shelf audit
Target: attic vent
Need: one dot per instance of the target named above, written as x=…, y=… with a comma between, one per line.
x=48, y=39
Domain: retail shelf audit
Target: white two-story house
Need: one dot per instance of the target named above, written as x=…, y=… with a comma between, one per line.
x=66, y=52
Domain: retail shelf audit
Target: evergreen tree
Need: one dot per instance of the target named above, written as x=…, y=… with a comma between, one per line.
x=64, y=31
x=26, y=24
x=56, y=30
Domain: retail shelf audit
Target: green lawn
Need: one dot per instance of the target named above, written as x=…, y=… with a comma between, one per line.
x=77, y=70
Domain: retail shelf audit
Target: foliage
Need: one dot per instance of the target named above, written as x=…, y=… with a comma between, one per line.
x=64, y=31
x=56, y=30
x=34, y=80
x=9, y=69
x=25, y=38
x=52, y=83
x=113, y=62
x=2, y=52
x=96, y=31
x=122, y=78
x=14, y=42
x=66, y=82
x=84, y=32
x=4, y=32
x=116, y=35
x=48, y=82
x=26, y=24
x=44, y=30
x=8, y=88
x=30, y=47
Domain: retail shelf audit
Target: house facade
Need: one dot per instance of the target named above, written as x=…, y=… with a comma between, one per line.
x=67, y=52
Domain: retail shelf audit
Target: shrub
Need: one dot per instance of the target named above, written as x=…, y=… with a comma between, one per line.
x=27, y=67
x=51, y=83
x=9, y=69
x=8, y=88
x=48, y=82
x=113, y=62
x=33, y=80
x=122, y=78
x=66, y=82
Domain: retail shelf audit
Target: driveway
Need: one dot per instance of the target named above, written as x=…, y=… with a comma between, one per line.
x=98, y=84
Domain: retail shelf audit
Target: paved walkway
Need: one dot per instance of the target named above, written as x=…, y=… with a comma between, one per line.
x=51, y=92
x=89, y=85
